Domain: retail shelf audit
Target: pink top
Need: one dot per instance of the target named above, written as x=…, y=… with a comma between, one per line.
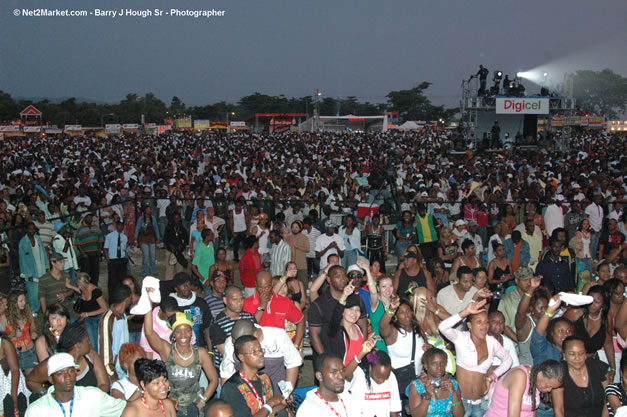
x=162, y=330
x=467, y=352
x=500, y=399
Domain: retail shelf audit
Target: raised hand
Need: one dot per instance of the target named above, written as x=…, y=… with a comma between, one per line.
x=369, y=344
x=430, y=303
x=476, y=307
x=484, y=293
x=348, y=290
x=363, y=264
x=395, y=302
x=535, y=283
x=554, y=304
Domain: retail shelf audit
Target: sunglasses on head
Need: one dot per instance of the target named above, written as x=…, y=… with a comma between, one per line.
x=356, y=275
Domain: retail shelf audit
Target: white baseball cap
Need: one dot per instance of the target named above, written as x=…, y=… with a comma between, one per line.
x=60, y=361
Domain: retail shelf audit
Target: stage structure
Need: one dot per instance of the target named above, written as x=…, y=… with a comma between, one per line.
x=516, y=115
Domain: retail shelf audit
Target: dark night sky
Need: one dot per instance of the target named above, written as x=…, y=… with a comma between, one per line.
x=345, y=48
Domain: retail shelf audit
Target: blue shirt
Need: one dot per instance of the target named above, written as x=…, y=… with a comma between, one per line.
x=558, y=272
x=111, y=244
x=542, y=349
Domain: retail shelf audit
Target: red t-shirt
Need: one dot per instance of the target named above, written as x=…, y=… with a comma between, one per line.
x=249, y=265
x=353, y=347
x=278, y=310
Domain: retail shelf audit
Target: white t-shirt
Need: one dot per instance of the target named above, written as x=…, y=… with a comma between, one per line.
x=275, y=344
x=325, y=240
x=315, y=406
x=510, y=347
x=379, y=400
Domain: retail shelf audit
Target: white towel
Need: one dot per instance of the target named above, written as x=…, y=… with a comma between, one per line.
x=143, y=305
x=575, y=299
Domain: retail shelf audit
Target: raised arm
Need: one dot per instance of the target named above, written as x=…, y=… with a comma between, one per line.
x=520, y=319
x=156, y=343
x=446, y=327
x=386, y=330
x=317, y=284
x=372, y=286
x=543, y=323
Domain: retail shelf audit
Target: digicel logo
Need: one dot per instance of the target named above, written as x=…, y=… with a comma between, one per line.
x=520, y=105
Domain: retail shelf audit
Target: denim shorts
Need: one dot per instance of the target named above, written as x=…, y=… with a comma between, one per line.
x=476, y=408
x=27, y=359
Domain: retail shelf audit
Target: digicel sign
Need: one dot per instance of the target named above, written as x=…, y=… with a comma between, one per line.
x=522, y=106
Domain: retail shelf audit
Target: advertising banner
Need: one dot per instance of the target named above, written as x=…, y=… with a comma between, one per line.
x=201, y=124
x=522, y=105
x=217, y=125
x=237, y=124
x=113, y=128
x=596, y=122
x=183, y=123
x=9, y=128
x=73, y=128
x=32, y=129
x=130, y=126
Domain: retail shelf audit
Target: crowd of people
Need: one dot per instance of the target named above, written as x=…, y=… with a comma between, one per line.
x=418, y=280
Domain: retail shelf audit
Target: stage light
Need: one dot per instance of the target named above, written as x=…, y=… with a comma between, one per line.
x=499, y=74
x=545, y=74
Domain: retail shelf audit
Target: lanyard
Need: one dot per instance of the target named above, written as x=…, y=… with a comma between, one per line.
x=250, y=385
x=63, y=408
x=330, y=406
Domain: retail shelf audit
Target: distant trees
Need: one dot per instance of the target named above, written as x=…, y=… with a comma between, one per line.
x=602, y=92
x=412, y=104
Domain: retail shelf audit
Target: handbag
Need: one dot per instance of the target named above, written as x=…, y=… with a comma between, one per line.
x=405, y=375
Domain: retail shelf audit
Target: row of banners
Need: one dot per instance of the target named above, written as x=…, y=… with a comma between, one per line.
x=591, y=122
x=149, y=128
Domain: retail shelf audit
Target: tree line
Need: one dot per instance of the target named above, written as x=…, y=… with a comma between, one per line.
x=412, y=104
x=602, y=92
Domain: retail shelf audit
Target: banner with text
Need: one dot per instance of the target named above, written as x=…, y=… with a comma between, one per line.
x=522, y=105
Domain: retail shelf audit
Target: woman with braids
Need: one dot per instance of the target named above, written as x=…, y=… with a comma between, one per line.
x=154, y=385
x=55, y=320
x=372, y=383
x=91, y=371
x=435, y=393
x=518, y=392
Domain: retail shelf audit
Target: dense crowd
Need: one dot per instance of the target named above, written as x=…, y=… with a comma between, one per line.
x=420, y=280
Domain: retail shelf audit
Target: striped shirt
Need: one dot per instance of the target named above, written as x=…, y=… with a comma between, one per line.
x=46, y=232
x=88, y=239
x=312, y=236
x=221, y=329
